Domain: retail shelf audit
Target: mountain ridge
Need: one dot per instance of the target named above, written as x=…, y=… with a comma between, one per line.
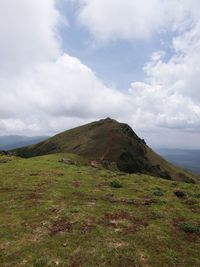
x=113, y=142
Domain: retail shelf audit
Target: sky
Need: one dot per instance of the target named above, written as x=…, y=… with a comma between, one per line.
x=68, y=62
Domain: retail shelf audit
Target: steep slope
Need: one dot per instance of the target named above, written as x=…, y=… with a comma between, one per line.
x=110, y=142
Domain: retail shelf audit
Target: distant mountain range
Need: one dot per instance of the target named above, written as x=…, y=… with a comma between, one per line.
x=185, y=158
x=16, y=141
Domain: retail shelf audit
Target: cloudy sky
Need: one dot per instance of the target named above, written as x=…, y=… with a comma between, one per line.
x=67, y=62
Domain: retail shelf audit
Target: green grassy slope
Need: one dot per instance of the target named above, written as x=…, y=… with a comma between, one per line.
x=53, y=214
x=114, y=142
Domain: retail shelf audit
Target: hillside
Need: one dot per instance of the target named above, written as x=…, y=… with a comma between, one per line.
x=54, y=214
x=112, y=143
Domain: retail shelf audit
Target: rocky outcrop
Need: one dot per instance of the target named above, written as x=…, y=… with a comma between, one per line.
x=67, y=161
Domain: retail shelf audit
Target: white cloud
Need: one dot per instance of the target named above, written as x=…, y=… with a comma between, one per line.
x=62, y=89
x=170, y=95
x=27, y=33
x=43, y=90
x=172, y=87
x=136, y=19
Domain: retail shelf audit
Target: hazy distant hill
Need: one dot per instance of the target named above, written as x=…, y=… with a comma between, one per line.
x=187, y=159
x=15, y=141
x=112, y=142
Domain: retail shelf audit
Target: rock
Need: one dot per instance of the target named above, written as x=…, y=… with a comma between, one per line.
x=180, y=194
x=67, y=161
x=148, y=202
x=3, y=160
x=129, y=201
x=7, y=153
x=96, y=163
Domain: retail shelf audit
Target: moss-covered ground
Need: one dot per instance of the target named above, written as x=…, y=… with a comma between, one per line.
x=54, y=214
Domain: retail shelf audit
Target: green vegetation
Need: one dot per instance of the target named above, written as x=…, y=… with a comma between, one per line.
x=189, y=227
x=54, y=214
x=158, y=193
x=115, y=184
x=115, y=144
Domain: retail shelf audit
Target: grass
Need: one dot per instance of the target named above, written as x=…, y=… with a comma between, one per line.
x=53, y=214
x=113, y=142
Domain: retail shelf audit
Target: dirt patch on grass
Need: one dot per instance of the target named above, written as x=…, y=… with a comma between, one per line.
x=36, y=193
x=117, y=245
x=118, y=215
x=7, y=189
x=149, y=201
x=55, y=210
x=75, y=184
x=79, y=194
x=77, y=258
x=193, y=205
x=191, y=229
x=87, y=226
x=34, y=196
x=3, y=161
x=155, y=215
x=110, y=198
x=143, y=260
x=145, y=202
x=91, y=204
x=102, y=185
x=123, y=221
x=34, y=173
x=177, y=221
x=61, y=225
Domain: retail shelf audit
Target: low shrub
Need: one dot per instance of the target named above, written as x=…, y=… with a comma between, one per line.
x=115, y=184
x=189, y=227
x=40, y=262
x=158, y=193
x=75, y=210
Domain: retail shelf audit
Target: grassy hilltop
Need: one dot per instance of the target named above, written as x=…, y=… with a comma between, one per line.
x=113, y=142
x=54, y=214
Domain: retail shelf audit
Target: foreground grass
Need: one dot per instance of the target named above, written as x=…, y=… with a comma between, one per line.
x=53, y=214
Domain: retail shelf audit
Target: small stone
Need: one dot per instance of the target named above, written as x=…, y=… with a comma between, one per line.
x=180, y=194
x=3, y=160
x=96, y=163
x=67, y=161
